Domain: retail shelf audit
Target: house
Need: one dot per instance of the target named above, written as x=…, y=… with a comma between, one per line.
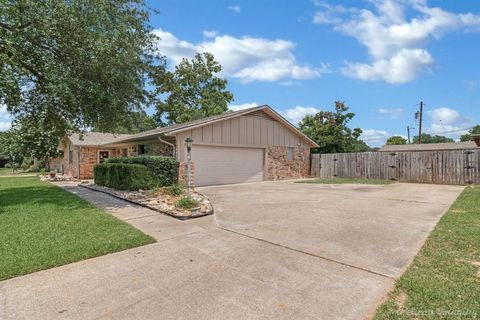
x=467, y=145
x=253, y=144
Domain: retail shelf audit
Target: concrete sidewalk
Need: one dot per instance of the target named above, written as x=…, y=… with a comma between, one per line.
x=199, y=271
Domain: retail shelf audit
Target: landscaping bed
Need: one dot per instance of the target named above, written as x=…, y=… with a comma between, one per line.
x=51, y=177
x=162, y=200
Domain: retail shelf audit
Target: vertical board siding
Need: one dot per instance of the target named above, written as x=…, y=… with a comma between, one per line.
x=258, y=130
x=235, y=130
x=439, y=167
x=217, y=132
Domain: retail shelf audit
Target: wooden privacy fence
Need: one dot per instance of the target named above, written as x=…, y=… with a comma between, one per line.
x=441, y=167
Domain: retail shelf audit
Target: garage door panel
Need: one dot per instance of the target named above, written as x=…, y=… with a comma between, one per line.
x=225, y=165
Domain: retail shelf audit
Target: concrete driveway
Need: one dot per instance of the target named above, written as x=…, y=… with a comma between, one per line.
x=378, y=228
x=273, y=250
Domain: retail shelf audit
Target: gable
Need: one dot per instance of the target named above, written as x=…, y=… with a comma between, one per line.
x=256, y=130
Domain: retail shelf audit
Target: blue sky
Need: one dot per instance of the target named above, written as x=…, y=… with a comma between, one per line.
x=382, y=57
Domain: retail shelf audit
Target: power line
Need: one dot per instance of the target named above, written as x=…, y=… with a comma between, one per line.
x=456, y=130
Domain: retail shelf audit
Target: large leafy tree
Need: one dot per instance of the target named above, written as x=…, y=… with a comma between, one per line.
x=331, y=132
x=89, y=61
x=396, y=140
x=135, y=122
x=468, y=136
x=428, y=138
x=193, y=91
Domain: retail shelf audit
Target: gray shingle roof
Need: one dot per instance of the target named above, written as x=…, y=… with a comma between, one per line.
x=430, y=146
x=95, y=138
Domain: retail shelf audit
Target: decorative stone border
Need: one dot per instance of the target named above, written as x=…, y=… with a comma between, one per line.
x=204, y=210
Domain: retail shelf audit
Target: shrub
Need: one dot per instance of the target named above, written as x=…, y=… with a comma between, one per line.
x=174, y=190
x=124, y=176
x=186, y=203
x=8, y=165
x=165, y=169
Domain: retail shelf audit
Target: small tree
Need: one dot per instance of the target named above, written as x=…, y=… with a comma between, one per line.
x=194, y=91
x=11, y=147
x=34, y=136
x=330, y=131
x=468, y=136
x=396, y=140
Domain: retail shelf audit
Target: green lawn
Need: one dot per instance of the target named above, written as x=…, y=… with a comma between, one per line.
x=346, y=181
x=43, y=226
x=443, y=281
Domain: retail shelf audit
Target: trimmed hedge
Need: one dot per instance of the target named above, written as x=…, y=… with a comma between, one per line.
x=123, y=176
x=164, y=169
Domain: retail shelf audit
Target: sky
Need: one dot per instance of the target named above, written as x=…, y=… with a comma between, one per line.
x=381, y=57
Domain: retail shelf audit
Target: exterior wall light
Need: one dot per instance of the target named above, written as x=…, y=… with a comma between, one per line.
x=189, y=142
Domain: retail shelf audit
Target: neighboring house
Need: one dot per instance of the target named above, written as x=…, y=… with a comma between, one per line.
x=254, y=144
x=430, y=146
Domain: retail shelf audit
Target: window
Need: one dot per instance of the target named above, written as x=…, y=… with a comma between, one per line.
x=70, y=156
x=144, y=149
x=291, y=152
x=102, y=155
x=124, y=152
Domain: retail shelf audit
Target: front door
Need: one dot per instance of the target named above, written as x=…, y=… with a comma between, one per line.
x=102, y=156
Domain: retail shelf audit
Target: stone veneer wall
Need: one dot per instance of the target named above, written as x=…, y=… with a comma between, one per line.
x=279, y=167
x=182, y=173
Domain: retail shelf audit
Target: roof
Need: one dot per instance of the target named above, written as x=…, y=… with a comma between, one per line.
x=91, y=139
x=431, y=146
x=177, y=128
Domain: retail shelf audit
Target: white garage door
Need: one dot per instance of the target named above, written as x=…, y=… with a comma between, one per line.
x=224, y=165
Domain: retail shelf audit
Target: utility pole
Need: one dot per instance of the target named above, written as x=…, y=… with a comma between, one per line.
x=408, y=134
x=420, y=123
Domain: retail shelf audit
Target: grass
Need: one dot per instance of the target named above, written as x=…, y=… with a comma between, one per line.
x=443, y=281
x=186, y=203
x=9, y=172
x=43, y=226
x=346, y=181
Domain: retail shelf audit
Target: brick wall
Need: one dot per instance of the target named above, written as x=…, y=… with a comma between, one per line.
x=279, y=167
x=88, y=159
x=182, y=173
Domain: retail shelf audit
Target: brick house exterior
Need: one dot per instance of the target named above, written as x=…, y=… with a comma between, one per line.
x=248, y=145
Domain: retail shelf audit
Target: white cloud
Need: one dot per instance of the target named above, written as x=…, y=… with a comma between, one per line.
x=393, y=113
x=247, y=58
x=375, y=138
x=296, y=114
x=444, y=115
x=235, y=8
x=5, y=119
x=209, y=33
x=236, y=107
x=447, y=122
x=396, y=43
x=401, y=68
